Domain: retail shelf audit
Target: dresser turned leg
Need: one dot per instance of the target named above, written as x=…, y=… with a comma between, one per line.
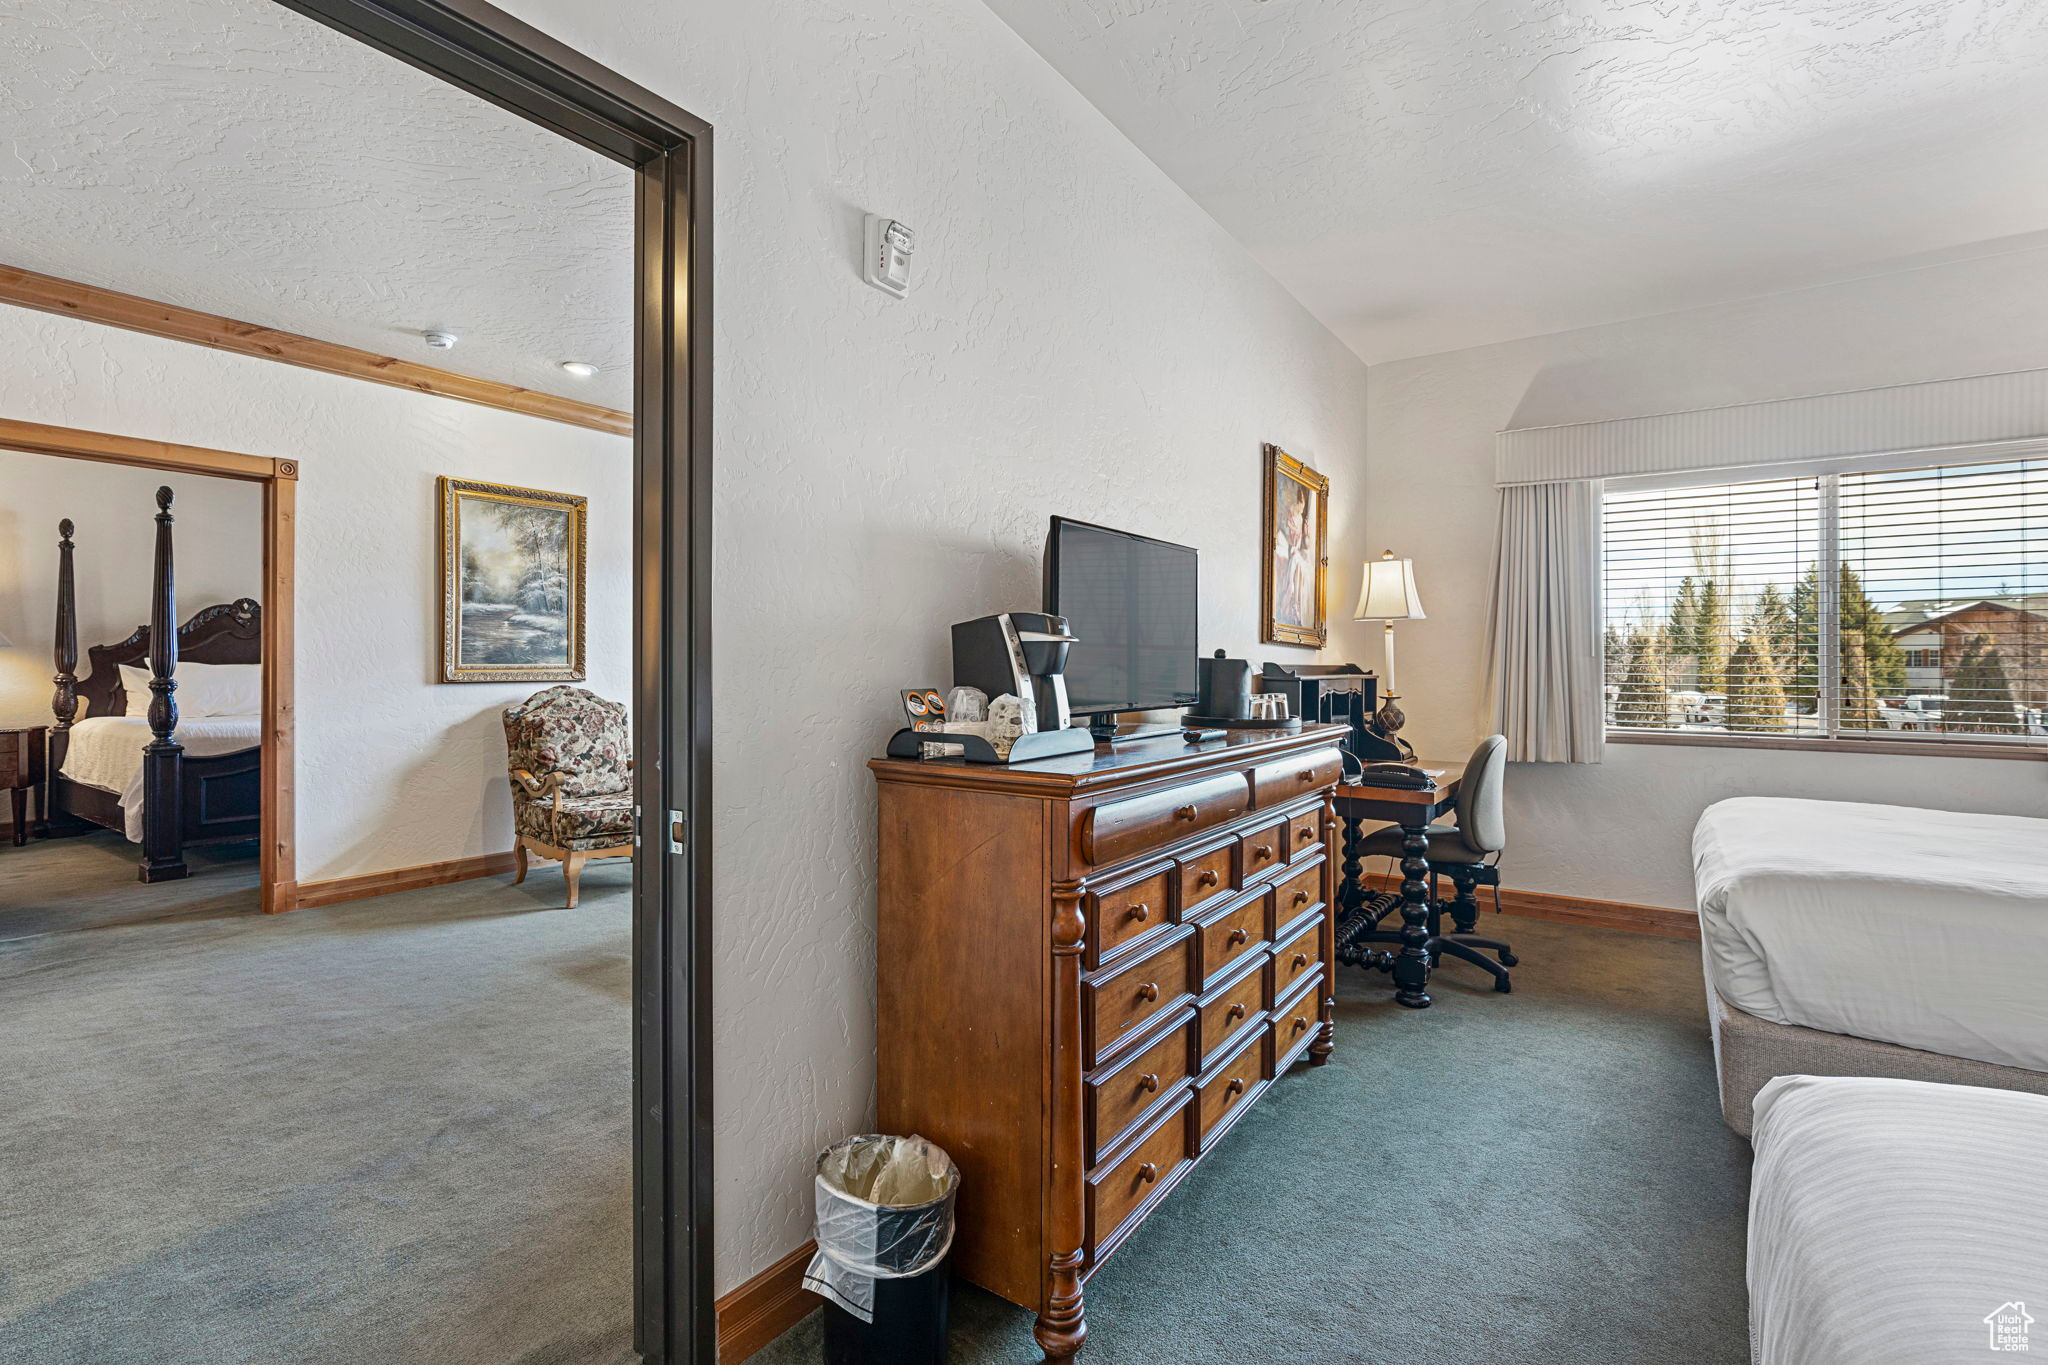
x=1326, y=1037
x=1062, y=1327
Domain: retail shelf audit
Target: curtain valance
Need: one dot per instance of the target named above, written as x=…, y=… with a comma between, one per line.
x=1935, y=416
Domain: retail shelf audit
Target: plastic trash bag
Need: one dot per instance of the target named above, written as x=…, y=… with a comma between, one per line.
x=885, y=1212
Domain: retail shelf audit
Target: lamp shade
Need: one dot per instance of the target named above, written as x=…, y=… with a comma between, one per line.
x=1388, y=593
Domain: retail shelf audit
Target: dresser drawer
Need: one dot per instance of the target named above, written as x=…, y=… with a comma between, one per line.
x=1124, y=829
x=1263, y=850
x=1297, y=958
x=1289, y=779
x=1118, y=1193
x=1295, y=1024
x=1230, y=937
x=1230, y=1010
x=1205, y=875
x=1118, y=1096
x=1115, y=1006
x=1304, y=834
x=1299, y=895
x=1124, y=912
x=1229, y=1086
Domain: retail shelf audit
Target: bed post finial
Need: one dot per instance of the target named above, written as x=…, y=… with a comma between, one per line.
x=64, y=705
x=163, y=852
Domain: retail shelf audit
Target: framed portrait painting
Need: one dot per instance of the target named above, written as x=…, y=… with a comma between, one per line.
x=512, y=564
x=1297, y=558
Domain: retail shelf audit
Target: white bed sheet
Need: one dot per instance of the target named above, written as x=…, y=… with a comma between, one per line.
x=106, y=752
x=1924, y=928
x=1888, y=1219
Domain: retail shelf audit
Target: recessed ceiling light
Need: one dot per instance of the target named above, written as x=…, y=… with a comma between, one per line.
x=582, y=369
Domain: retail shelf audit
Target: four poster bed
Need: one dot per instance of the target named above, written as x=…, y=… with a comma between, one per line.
x=161, y=784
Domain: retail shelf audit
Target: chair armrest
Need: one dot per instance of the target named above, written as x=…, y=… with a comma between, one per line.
x=537, y=786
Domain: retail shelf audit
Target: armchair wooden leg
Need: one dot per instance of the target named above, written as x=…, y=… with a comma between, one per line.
x=519, y=861
x=572, y=870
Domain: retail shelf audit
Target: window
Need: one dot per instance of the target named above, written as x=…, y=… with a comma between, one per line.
x=1933, y=626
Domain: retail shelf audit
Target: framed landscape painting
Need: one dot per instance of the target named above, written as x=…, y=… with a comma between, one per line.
x=511, y=583
x=1297, y=554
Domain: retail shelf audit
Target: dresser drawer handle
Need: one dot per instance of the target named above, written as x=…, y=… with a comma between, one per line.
x=1262, y=851
x=1300, y=1023
x=1141, y=912
x=1149, y=1083
x=1149, y=991
x=1148, y=1173
x=1300, y=961
x=1301, y=898
x=1307, y=774
x=1234, y=1012
x=1236, y=1086
x=1183, y=812
x=1238, y=935
x=1207, y=878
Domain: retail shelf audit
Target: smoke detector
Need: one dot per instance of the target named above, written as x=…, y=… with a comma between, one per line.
x=440, y=341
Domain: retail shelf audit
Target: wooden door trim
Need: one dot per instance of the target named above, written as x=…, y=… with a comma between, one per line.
x=279, y=477
x=111, y=308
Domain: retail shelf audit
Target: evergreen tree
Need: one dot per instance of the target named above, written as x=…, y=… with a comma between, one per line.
x=1802, y=681
x=1980, y=700
x=1756, y=690
x=1859, y=708
x=1885, y=660
x=1771, y=619
x=1645, y=700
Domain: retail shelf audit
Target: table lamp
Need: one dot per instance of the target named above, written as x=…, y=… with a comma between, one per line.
x=1388, y=594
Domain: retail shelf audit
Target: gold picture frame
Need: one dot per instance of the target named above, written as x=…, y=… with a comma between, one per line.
x=512, y=574
x=1297, y=563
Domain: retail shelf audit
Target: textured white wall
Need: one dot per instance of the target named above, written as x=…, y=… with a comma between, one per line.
x=1622, y=830
x=220, y=543
x=394, y=769
x=1079, y=339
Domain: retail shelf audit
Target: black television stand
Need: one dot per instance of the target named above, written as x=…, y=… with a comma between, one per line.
x=1104, y=729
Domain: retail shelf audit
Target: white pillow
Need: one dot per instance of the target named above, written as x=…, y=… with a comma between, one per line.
x=203, y=689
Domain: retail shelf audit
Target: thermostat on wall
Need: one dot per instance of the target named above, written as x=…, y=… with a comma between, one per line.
x=887, y=263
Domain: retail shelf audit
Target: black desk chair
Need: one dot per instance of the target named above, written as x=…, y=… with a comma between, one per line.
x=1468, y=854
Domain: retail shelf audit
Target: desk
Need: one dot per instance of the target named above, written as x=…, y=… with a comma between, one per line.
x=1412, y=811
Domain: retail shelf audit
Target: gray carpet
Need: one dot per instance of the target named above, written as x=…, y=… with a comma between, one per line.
x=1540, y=1178
x=394, y=1130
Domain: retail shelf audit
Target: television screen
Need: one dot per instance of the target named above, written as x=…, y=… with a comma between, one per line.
x=1130, y=602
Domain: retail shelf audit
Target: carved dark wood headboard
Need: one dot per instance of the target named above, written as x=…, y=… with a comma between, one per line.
x=226, y=633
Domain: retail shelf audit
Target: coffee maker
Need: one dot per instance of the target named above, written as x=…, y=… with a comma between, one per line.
x=1023, y=653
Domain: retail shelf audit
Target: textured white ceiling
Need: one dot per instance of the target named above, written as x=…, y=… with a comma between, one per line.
x=232, y=156
x=1433, y=174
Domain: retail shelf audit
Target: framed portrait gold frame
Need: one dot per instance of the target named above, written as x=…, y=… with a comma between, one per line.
x=1281, y=471
x=453, y=493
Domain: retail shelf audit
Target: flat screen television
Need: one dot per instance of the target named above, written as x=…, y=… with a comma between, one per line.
x=1130, y=603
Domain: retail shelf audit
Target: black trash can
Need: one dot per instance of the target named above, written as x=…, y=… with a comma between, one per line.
x=885, y=1229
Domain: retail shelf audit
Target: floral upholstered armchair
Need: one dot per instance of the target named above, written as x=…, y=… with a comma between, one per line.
x=572, y=781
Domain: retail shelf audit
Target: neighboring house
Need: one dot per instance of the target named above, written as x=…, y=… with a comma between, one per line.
x=1934, y=634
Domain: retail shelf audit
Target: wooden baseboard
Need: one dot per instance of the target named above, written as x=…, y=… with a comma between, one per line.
x=339, y=889
x=765, y=1307
x=1636, y=919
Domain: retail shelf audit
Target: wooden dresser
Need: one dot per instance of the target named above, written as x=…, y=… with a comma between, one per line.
x=1088, y=968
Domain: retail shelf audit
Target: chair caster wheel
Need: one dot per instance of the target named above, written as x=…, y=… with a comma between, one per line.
x=1504, y=986
x=1509, y=960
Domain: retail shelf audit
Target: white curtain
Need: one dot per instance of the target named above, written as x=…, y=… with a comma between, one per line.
x=1545, y=656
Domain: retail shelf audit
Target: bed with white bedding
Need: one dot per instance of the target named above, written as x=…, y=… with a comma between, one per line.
x=1895, y=1222
x=105, y=752
x=1846, y=938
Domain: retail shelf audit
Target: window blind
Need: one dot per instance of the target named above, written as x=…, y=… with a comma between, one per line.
x=1722, y=618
